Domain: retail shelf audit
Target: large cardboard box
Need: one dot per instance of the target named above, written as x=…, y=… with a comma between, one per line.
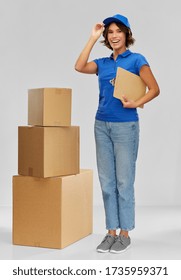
x=48, y=151
x=52, y=212
x=49, y=106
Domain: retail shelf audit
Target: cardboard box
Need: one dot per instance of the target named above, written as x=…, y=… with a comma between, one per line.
x=52, y=212
x=48, y=151
x=49, y=106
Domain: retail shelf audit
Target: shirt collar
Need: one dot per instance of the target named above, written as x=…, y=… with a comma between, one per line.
x=124, y=54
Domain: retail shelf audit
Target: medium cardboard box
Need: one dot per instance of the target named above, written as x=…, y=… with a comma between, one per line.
x=48, y=151
x=52, y=212
x=49, y=106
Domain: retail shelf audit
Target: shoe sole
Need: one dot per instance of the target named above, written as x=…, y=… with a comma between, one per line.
x=119, y=252
x=102, y=251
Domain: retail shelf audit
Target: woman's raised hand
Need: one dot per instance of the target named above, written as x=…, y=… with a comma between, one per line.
x=98, y=30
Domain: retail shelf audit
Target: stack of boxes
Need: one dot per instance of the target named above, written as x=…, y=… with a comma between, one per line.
x=52, y=197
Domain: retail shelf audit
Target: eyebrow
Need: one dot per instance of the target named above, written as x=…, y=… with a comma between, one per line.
x=109, y=29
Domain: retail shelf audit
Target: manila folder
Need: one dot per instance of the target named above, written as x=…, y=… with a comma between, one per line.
x=128, y=84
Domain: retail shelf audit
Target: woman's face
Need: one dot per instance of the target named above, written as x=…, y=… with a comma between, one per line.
x=116, y=38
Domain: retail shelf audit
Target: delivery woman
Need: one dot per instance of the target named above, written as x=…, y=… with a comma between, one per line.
x=116, y=127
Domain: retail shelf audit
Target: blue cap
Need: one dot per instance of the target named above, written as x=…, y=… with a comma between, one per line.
x=117, y=18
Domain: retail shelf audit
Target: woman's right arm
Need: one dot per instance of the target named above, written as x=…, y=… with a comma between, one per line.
x=82, y=65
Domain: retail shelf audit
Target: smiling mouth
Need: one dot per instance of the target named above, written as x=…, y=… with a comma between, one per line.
x=115, y=42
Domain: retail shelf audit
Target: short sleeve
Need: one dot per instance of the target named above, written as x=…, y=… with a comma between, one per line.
x=97, y=63
x=141, y=60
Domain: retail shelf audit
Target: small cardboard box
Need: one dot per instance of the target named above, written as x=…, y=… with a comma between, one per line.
x=48, y=151
x=49, y=106
x=52, y=212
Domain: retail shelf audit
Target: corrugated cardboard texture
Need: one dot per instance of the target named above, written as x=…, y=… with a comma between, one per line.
x=52, y=212
x=48, y=151
x=49, y=106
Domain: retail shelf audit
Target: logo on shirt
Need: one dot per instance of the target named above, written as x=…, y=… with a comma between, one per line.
x=112, y=81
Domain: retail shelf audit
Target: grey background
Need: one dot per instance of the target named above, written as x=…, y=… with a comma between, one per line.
x=40, y=41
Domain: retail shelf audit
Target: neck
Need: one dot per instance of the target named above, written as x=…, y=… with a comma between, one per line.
x=117, y=52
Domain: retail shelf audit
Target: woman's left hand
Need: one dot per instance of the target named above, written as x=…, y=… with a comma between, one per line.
x=128, y=103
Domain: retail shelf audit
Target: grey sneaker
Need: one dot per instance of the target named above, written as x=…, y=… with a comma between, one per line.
x=121, y=244
x=106, y=243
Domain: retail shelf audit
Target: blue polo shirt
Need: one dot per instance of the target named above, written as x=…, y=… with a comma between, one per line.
x=111, y=109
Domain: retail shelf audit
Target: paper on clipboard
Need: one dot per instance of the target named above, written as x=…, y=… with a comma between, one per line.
x=128, y=84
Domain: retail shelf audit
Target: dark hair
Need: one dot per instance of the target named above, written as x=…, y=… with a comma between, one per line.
x=129, y=39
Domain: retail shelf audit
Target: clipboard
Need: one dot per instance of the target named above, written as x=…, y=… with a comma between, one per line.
x=128, y=84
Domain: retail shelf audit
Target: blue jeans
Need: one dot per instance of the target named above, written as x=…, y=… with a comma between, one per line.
x=116, y=151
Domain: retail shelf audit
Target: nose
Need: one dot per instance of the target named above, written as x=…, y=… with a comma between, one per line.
x=114, y=34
